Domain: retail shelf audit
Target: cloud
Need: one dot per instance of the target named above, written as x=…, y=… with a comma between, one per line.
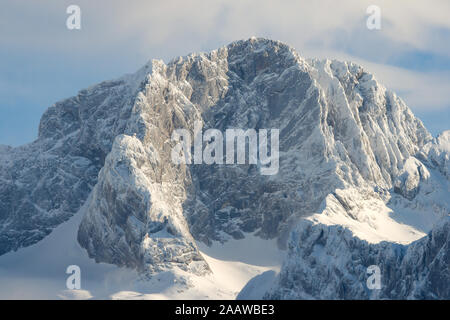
x=421, y=90
x=120, y=36
x=152, y=23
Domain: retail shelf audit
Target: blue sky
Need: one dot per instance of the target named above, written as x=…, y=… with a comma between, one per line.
x=41, y=61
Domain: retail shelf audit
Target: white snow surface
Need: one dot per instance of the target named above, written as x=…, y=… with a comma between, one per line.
x=39, y=271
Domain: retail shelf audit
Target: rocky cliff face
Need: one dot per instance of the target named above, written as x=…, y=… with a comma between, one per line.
x=329, y=262
x=45, y=182
x=352, y=157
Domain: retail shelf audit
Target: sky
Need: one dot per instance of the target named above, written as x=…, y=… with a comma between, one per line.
x=42, y=61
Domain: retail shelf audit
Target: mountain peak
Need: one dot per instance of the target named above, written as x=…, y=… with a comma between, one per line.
x=351, y=155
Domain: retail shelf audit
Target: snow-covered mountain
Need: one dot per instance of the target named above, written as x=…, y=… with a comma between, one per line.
x=361, y=181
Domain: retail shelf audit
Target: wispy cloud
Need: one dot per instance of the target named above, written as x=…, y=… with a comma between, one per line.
x=410, y=54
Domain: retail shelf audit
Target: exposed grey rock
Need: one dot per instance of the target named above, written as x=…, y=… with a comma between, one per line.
x=329, y=262
x=348, y=148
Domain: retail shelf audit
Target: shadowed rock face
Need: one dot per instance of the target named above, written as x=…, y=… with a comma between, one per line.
x=339, y=129
x=418, y=271
x=45, y=182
